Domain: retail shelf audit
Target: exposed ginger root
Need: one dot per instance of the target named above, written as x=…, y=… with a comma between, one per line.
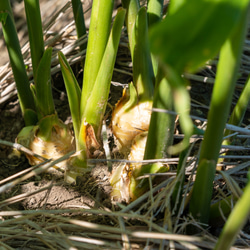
x=61, y=142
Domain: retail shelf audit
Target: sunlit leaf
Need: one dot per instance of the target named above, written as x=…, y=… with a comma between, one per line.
x=73, y=91
x=44, y=98
x=3, y=17
x=194, y=32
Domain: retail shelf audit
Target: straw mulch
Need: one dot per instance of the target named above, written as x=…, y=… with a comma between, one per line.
x=87, y=219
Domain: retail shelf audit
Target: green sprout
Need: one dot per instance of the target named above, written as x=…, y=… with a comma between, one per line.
x=16, y=59
x=45, y=134
x=219, y=110
x=89, y=104
x=160, y=57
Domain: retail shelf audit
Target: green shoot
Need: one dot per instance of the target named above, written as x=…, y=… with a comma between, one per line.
x=34, y=22
x=99, y=30
x=44, y=133
x=99, y=96
x=239, y=111
x=202, y=42
x=219, y=109
x=143, y=75
x=17, y=64
x=235, y=222
x=155, y=8
x=79, y=20
x=87, y=125
x=132, y=7
x=154, y=11
x=74, y=94
x=43, y=93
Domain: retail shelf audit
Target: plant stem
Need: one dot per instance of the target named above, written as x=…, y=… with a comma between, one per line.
x=33, y=15
x=143, y=75
x=180, y=176
x=160, y=137
x=22, y=82
x=154, y=15
x=132, y=7
x=154, y=11
x=220, y=105
x=239, y=111
x=42, y=89
x=161, y=128
x=98, y=37
x=235, y=222
x=96, y=106
x=73, y=92
x=79, y=20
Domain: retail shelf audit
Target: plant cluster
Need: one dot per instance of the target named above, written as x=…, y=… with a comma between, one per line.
x=163, y=47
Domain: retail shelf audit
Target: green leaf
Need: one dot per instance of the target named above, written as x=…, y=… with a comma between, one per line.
x=143, y=75
x=43, y=91
x=99, y=30
x=226, y=76
x=34, y=22
x=238, y=217
x=155, y=8
x=194, y=32
x=16, y=59
x=97, y=101
x=3, y=17
x=73, y=92
x=203, y=194
x=175, y=5
x=79, y=20
x=132, y=7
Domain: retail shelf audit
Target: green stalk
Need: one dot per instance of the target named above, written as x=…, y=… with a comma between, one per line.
x=180, y=177
x=154, y=11
x=79, y=20
x=161, y=128
x=33, y=15
x=79, y=163
x=41, y=63
x=220, y=105
x=182, y=107
x=98, y=37
x=73, y=92
x=143, y=75
x=97, y=101
x=155, y=8
x=160, y=137
x=132, y=7
x=22, y=82
x=235, y=222
x=239, y=111
x=42, y=89
x=96, y=106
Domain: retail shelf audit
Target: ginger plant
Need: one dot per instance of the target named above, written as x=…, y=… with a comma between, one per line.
x=89, y=104
x=45, y=134
x=132, y=119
